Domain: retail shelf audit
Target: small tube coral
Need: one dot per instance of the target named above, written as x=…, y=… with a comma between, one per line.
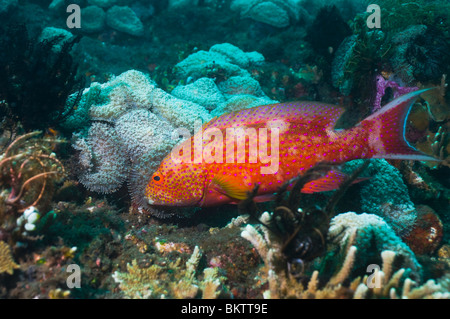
x=346, y=268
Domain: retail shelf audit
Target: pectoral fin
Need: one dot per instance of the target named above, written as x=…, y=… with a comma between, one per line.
x=229, y=188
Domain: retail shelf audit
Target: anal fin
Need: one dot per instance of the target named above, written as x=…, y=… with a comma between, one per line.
x=332, y=181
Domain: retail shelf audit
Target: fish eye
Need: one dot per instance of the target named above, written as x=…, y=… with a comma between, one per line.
x=156, y=177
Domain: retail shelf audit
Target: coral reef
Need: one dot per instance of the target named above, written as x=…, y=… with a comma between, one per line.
x=170, y=281
x=386, y=283
x=155, y=66
x=354, y=244
x=344, y=282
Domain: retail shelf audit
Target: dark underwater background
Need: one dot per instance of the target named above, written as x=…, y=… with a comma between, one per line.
x=91, y=90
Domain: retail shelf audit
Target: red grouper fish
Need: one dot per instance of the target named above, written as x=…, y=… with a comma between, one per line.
x=269, y=145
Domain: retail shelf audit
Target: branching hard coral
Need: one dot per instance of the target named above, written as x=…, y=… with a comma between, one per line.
x=280, y=283
x=27, y=166
x=385, y=282
x=350, y=245
x=291, y=236
x=7, y=263
x=171, y=280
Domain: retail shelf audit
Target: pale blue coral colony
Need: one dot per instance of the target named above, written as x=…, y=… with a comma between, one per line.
x=122, y=128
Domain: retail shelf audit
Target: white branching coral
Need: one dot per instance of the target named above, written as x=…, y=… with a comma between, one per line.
x=346, y=268
x=280, y=283
x=256, y=238
x=387, y=284
x=383, y=283
x=349, y=253
x=269, y=248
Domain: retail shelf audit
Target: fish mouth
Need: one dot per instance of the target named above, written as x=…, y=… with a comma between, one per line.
x=181, y=203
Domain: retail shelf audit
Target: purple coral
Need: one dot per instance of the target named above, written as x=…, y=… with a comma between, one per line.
x=383, y=84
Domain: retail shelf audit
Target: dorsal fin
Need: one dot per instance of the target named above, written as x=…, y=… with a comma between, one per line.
x=210, y=123
x=310, y=113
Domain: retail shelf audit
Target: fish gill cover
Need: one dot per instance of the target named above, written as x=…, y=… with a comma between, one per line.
x=231, y=149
